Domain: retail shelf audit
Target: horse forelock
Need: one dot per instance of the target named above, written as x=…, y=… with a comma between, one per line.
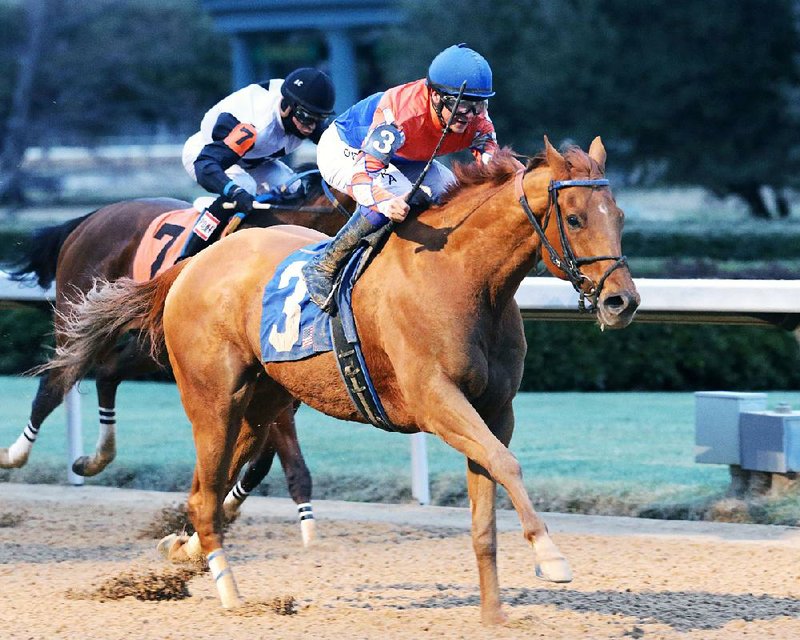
x=499, y=169
x=581, y=165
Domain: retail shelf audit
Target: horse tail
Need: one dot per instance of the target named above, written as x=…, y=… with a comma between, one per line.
x=37, y=260
x=152, y=324
x=91, y=325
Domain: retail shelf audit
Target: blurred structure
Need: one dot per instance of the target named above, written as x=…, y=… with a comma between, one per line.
x=270, y=37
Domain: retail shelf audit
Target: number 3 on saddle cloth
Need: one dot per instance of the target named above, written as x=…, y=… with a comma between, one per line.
x=293, y=327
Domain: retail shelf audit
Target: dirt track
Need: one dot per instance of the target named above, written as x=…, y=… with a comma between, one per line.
x=380, y=571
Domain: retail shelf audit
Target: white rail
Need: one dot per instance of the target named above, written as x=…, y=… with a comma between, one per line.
x=750, y=302
x=704, y=301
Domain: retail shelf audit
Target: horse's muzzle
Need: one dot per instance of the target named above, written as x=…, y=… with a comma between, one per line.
x=617, y=308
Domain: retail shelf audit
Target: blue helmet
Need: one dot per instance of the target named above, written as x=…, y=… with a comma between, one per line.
x=458, y=63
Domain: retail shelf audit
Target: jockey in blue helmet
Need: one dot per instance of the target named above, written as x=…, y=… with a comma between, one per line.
x=378, y=148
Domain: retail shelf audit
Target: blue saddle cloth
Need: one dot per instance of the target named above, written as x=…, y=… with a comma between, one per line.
x=292, y=326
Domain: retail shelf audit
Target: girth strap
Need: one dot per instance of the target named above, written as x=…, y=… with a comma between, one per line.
x=353, y=368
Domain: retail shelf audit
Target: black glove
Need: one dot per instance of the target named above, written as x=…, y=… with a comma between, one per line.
x=242, y=199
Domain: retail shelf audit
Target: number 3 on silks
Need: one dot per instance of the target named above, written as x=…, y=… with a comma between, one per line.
x=383, y=141
x=284, y=340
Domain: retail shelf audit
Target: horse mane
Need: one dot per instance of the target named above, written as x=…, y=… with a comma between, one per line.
x=504, y=164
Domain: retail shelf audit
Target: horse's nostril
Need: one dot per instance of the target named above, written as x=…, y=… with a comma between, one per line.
x=620, y=303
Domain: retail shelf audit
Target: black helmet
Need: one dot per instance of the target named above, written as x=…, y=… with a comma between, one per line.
x=311, y=89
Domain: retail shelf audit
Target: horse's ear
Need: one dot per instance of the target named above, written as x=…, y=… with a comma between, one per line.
x=597, y=152
x=556, y=161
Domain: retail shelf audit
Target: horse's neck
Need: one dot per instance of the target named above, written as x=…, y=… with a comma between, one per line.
x=498, y=245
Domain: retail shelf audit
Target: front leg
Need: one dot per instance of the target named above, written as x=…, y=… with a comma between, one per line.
x=449, y=415
x=482, y=493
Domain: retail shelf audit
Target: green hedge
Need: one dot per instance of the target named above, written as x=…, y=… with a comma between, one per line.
x=25, y=339
x=659, y=357
x=568, y=355
x=764, y=242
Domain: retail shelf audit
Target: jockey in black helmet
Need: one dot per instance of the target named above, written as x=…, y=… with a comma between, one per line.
x=236, y=153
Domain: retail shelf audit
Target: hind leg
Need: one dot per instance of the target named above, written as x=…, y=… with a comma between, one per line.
x=47, y=398
x=216, y=386
x=125, y=361
x=253, y=475
x=215, y=429
x=298, y=478
x=252, y=444
x=282, y=439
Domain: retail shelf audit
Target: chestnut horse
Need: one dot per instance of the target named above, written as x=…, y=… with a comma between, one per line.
x=441, y=334
x=102, y=245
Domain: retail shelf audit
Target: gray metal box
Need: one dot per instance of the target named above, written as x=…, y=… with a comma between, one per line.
x=770, y=441
x=716, y=433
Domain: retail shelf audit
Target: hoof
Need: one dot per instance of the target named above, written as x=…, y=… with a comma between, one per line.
x=80, y=467
x=493, y=618
x=7, y=461
x=232, y=602
x=551, y=565
x=171, y=548
x=17, y=454
x=230, y=511
x=554, y=570
x=87, y=466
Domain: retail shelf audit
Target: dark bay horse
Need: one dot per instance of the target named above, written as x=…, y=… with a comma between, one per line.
x=102, y=245
x=441, y=333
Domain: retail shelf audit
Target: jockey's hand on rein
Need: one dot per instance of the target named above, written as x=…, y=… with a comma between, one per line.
x=395, y=209
x=242, y=199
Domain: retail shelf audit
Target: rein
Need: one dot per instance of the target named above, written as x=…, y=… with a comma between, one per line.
x=568, y=263
x=326, y=189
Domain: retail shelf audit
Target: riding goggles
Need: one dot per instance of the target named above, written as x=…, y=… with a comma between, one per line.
x=307, y=118
x=465, y=106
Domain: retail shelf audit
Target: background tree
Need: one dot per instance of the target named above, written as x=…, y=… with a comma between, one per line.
x=710, y=89
x=108, y=69
x=697, y=92
x=19, y=98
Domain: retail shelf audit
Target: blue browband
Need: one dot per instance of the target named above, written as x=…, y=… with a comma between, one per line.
x=558, y=184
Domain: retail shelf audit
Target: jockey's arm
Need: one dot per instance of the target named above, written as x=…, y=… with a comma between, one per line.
x=484, y=144
x=231, y=139
x=376, y=153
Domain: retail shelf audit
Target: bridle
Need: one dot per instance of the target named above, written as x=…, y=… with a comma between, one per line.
x=568, y=263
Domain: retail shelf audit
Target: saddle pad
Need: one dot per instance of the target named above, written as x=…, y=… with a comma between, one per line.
x=292, y=327
x=162, y=243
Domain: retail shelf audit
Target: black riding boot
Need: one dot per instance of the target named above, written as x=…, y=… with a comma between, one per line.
x=195, y=244
x=320, y=271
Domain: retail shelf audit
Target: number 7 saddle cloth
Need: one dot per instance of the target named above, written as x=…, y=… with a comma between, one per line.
x=162, y=243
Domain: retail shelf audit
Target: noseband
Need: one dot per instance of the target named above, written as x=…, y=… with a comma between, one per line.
x=568, y=263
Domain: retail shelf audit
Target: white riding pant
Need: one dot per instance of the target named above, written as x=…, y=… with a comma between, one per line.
x=336, y=161
x=260, y=178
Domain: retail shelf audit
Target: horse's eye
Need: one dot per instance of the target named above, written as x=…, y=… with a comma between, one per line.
x=573, y=221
